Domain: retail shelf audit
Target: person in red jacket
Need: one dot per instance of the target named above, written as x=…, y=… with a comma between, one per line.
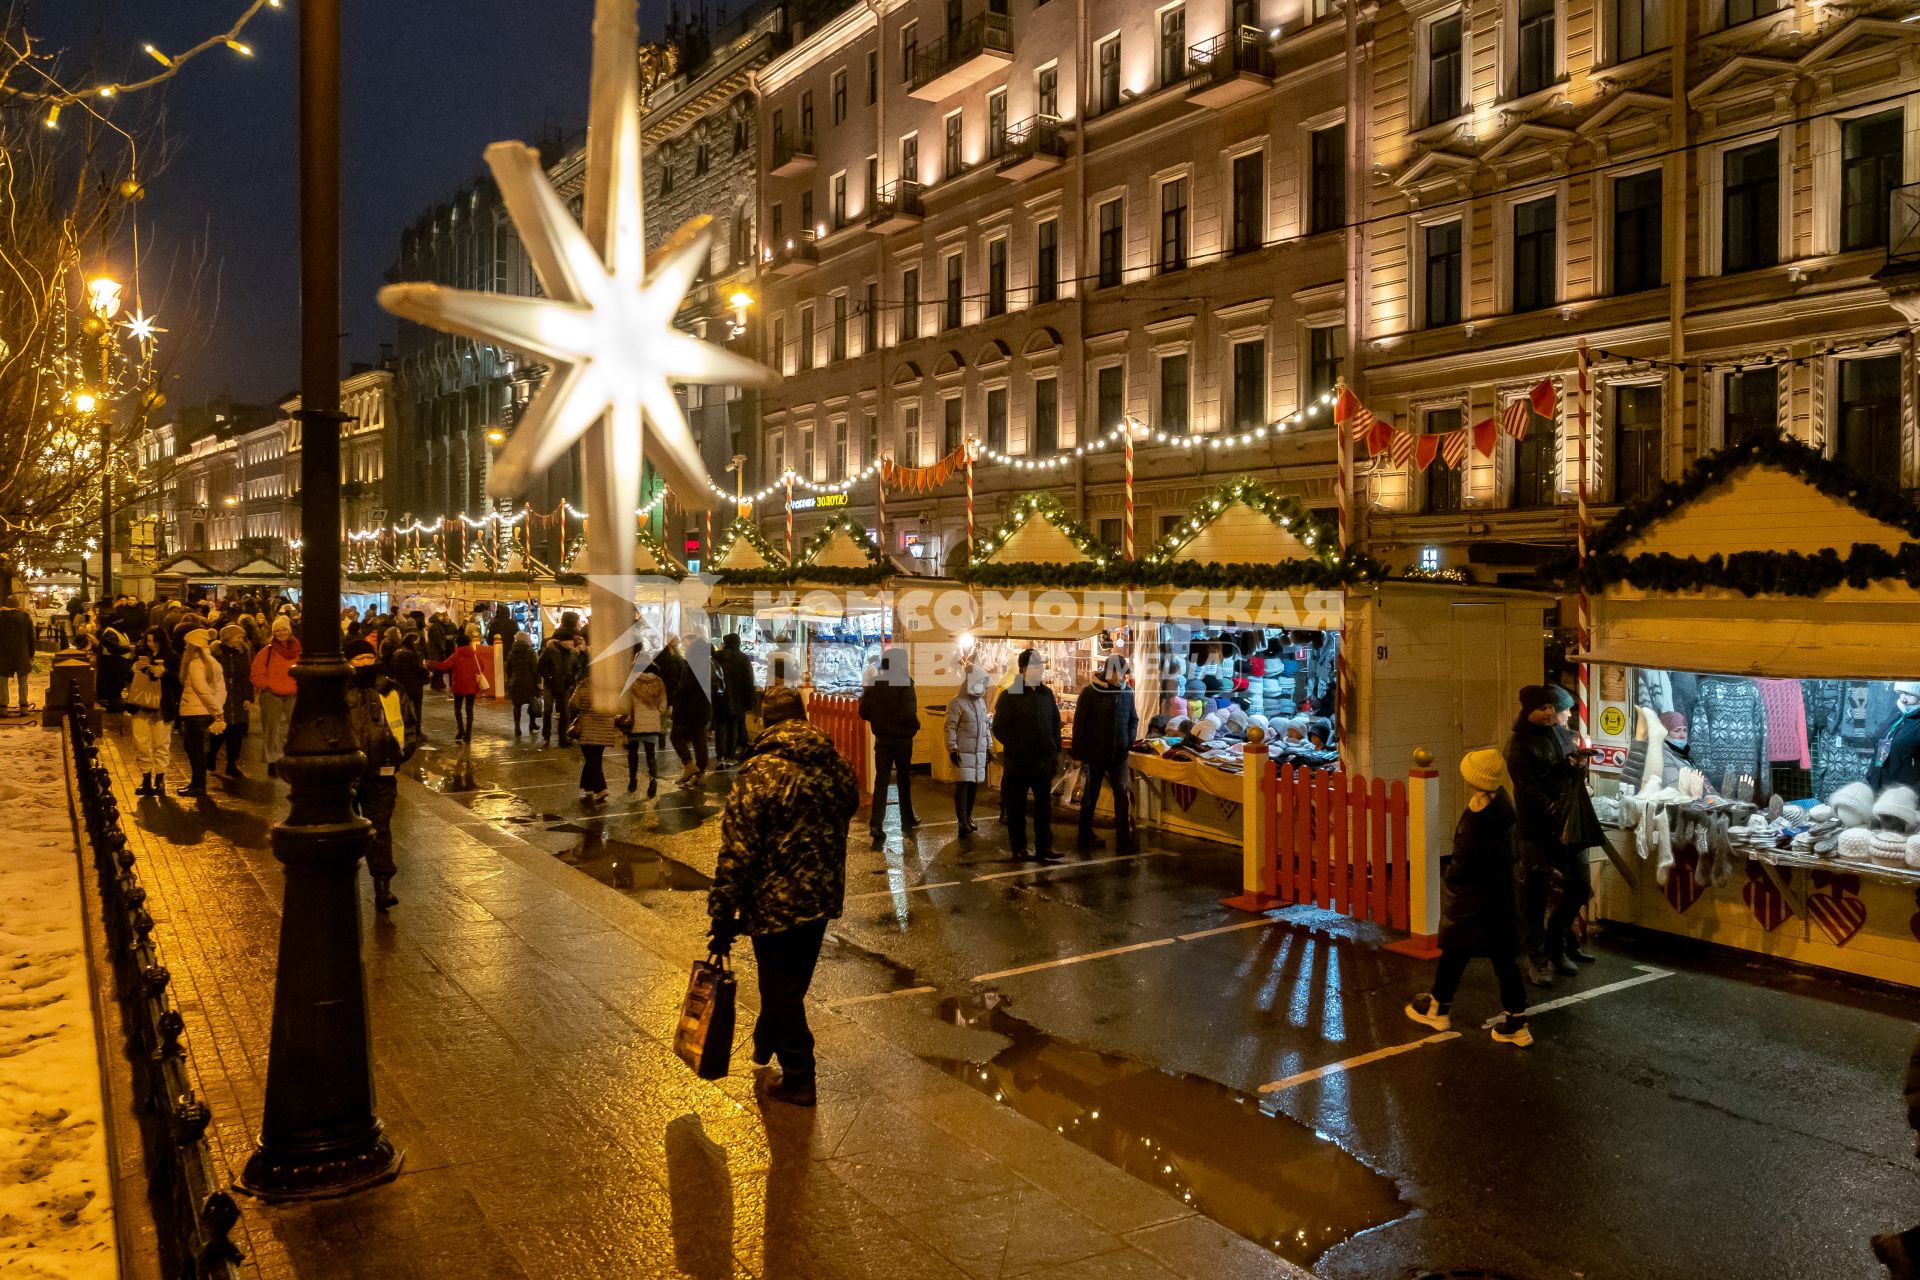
x=463, y=673
x=274, y=688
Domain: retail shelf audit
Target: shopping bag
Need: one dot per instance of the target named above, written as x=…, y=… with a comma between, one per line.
x=704, y=1038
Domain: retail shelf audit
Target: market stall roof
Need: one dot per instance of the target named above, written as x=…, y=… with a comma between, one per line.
x=1243, y=522
x=1039, y=531
x=744, y=549
x=841, y=551
x=650, y=557
x=186, y=566
x=260, y=568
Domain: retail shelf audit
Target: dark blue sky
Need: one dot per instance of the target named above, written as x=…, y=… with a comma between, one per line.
x=428, y=84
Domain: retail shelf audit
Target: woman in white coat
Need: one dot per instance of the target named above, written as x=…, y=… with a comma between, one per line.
x=203, y=703
x=969, y=741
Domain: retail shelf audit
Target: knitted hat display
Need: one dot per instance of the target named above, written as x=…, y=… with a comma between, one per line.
x=1897, y=809
x=1820, y=813
x=1913, y=852
x=1204, y=730
x=1794, y=815
x=1238, y=720
x=1257, y=719
x=1856, y=844
x=1890, y=847
x=1853, y=804
x=1195, y=708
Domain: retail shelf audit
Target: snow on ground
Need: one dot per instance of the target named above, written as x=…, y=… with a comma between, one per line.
x=56, y=1211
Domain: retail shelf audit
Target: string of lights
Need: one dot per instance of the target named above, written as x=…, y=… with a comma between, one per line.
x=170, y=64
x=1754, y=362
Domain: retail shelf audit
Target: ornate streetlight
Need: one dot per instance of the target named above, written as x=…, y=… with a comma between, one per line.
x=103, y=304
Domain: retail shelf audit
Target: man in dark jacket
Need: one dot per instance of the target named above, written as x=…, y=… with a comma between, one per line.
x=115, y=663
x=891, y=707
x=381, y=716
x=1545, y=783
x=16, y=648
x=562, y=661
x=1105, y=723
x=782, y=874
x=1026, y=724
x=730, y=734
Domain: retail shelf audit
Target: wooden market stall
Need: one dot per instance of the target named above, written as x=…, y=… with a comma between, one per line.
x=1750, y=623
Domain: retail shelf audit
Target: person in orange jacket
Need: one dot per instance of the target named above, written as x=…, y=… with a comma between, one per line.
x=274, y=688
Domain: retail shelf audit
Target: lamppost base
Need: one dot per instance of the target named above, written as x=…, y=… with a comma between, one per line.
x=280, y=1175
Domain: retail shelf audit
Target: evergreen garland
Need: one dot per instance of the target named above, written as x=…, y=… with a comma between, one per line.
x=744, y=528
x=1287, y=512
x=669, y=565
x=1025, y=507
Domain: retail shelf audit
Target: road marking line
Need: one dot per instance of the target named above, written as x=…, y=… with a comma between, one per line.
x=907, y=888
x=1336, y=1068
x=880, y=995
x=1067, y=960
x=1647, y=974
x=1232, y=928
x=1068, y=866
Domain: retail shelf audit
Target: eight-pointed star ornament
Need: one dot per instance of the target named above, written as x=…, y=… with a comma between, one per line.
x=606, y=329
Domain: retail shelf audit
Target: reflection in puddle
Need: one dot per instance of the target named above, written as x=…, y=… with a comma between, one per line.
x=625, y=865
x=1262, y=1175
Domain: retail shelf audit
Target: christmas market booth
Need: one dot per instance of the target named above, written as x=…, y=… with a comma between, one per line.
x=657, y=602
x=1755, y=666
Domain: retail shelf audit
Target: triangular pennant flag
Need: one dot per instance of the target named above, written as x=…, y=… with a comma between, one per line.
x=1350, y=413
x=1379, y=438
x=1544, y=398
x=1425, y=449
x=1513, y=418
x=1454, y=448
x=1486, y=435
x=1400, y=449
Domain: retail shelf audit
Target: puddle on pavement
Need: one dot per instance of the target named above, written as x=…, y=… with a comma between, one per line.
x=625, y=865
x=1262, y=1175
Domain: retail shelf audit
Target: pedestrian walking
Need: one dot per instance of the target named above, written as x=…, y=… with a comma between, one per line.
x=236, y=667
x=273, y=689
x=409, y=671
x=891, y=708
x=504, y=626
x=16, y=649
x=465, y=677
x=440, y=634
x=730, y=732
x=1026, y=724
x=1105, y=723
x=523, y=682
x=646, y=723
x=1480, y=915
x=561, y=666
x=1547, y=780
x=114, y=666
x=782, y=874
x=203, y=704
x=969, y=744
x=687, y=700
x=594, y=730
x=381, y=716
x=152, y=732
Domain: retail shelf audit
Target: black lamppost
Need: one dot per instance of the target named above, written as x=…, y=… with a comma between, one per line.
x=319, y=1136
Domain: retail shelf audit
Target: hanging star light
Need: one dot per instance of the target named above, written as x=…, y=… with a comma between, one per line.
x=606, y=326
x=143, y=329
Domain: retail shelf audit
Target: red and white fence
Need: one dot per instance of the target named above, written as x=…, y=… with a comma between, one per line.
x=838, y=716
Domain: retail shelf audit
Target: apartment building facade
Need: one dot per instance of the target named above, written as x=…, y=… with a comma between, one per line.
x=1698, y=190
x=1028, y=222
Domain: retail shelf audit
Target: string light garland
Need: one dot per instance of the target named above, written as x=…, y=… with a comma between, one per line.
x=1756, y=362
x=170, y=65
x=744, y=528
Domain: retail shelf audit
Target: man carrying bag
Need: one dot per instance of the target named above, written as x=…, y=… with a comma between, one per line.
x=782, y=874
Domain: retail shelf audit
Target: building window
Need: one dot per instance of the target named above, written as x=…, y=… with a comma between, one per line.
x=870, y=318
x=1046, y=91
x=806, y=113
x=1173, y=224
x=997, y=276
x=780, y=343
x=1173, y=395
x=840, y=459
x=840, y=95
x=805, y=360
x=910, y=157
x=1326, y=356
x=1249, y=201
x=839, y=197
x=1753, y=406
x=909, y=304
x=742, y=132
x=1868, y=435
x=996, y=124
x=1046, y=260
x=909, y=50
x=1639, y=27
x=1112, y=241
x=1327, y=208
x=1440, y=294
x=1108, y=58
x=1110, y=396
x=1869, y=168
x=873, y=76
x=951, y=420
x=910, y=434
x=1249, y=384
x=873, y=436
x=806, y=211
x=873, y=183
x=954, y=157
x=1750, y=207
x=1534, y=47
x=950, y=305
x=1111, y=532
x=666, y=174
x=1535, y=254
x=1638, y=252
x=1443, y=487
x=839, y=326
x=803, y=462
x=1173, y=46
x=997, y=419
x=1446, y=86
x=700, y=160
x=1739, y=11
x=1046, y=416
x=1636, y=441
x=1534, y=466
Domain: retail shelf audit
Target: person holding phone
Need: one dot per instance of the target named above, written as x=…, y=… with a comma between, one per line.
x=1552, y=808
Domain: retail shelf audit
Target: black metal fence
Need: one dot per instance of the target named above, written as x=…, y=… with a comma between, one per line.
x=195, y=1215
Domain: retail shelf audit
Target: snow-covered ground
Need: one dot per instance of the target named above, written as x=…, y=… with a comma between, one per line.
x=56, y=1211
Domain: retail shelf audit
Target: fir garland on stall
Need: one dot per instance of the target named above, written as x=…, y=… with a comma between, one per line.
x=777, y=572
x=776, y=568
x=669, y=565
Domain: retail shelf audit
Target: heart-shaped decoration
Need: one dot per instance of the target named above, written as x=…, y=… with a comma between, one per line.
x=1680, y=889
x=1836, y=907
x=1183, y=795
x=1764, y=899
x=1229, y=807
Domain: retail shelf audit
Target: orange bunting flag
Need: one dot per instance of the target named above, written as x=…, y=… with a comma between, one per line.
x=1513, y=418
x=1486, y=434
x=1425, y=449
x=1400, y=449
x=1454, y=448
x=1379, y=437
x=1545, y=400
x=1350, y=413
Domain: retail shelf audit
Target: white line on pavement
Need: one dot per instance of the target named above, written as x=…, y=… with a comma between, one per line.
x=880, y=995
x=1335, y=1068
x=1232, y=928
x=1067, y=960
x=1647, y=974
x=905, y=888
x=1068, y=866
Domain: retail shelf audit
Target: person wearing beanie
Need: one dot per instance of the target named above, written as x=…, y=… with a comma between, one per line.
x=1896, y=760
x=203, y=703
x=236, y=665
x=1105, y=723
x=1548, y=778
x=1480, y=917
x=1026, y=724
x=381, y=717
x=273, y=687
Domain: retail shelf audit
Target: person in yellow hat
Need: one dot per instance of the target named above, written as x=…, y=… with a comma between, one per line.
x=1481, y=915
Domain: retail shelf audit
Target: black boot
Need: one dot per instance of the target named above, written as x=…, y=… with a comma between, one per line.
x=794, y=1090
x=383, y=894
x=146, y=785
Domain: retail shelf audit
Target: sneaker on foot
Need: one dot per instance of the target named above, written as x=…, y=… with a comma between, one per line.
x=1565, y=967
x=1513, y=1030
x=1427, y=1011
x=1539, y=974
x=795, y=1091
x=1584, y=956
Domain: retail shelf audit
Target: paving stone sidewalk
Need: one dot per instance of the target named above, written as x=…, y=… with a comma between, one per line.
x=521, y=1016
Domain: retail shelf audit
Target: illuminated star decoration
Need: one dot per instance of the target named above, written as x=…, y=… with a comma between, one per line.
x=143, y=329
x=605, y=326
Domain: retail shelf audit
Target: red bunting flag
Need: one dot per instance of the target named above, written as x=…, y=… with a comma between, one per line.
x=1513, y=418
x=1454, y=448
x=1425, y=449
x=1544, y=398
x=1350, y=413
x=1400, y=450
x=1486, y=434
x=1379, y=437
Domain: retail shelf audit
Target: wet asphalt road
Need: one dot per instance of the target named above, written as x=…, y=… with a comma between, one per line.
x=1694, y=1116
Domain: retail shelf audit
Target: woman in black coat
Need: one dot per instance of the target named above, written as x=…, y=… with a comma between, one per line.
x=1549, y=788
x=1481, y=915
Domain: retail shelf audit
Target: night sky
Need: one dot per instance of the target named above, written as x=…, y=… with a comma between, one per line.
x=428, y=84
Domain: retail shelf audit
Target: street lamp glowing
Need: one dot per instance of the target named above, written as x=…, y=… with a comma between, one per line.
x=84, y=401
x=103, y=297
x=496, y=436
x=740, y=300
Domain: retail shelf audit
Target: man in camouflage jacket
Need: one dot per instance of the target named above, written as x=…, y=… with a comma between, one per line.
x=782, y=875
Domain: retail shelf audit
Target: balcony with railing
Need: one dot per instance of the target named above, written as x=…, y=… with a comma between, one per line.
x=897, y=207
x=1232, y=65
x=792, y=155
x=964, y=56
x=794, y=254
x=1033, y=147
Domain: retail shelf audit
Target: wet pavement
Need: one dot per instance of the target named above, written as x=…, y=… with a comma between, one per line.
x=1686, y=1115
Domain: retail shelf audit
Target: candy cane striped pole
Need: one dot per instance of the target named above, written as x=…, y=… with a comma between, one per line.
x=1343, y=498
x=1585, y=626
x=880, y=491
x=1126, y=428
x=789, y=517
x=969, y=448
